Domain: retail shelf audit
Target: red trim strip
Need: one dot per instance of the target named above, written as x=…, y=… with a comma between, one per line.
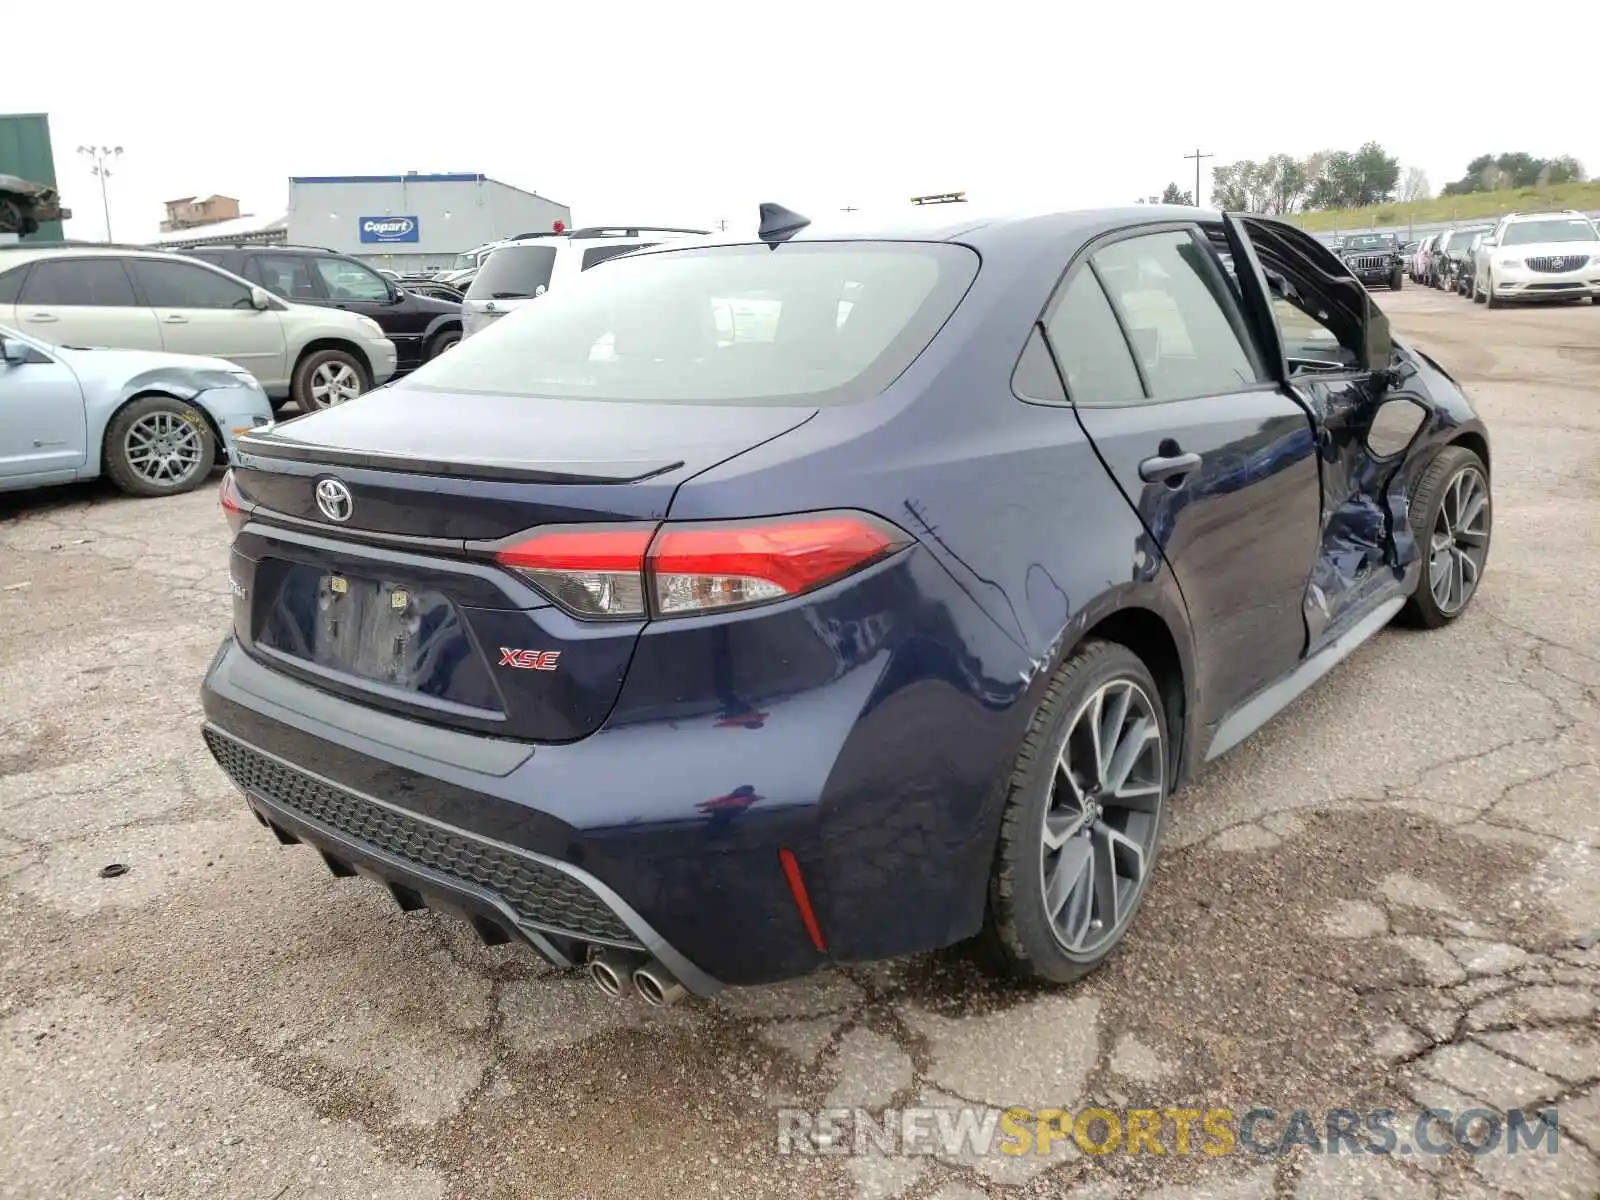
x=802, y=900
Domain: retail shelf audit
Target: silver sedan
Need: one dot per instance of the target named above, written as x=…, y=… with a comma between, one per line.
x=156, y=423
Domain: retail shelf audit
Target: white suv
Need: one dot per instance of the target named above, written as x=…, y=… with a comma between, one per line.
x=520, y=270
x=129, y=299
x=1538, y=256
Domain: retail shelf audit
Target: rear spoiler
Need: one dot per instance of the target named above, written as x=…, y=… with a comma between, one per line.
x=266, y=445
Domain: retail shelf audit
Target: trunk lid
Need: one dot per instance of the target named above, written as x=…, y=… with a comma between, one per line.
x=385, y=592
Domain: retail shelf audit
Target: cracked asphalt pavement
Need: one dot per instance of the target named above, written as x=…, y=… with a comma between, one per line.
x=1389, y=897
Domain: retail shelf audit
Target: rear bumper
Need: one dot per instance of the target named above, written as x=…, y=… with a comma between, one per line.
x=505, y=892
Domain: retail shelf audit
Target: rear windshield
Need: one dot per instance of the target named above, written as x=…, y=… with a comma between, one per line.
x=513, y=273
x=801, y=323
x=1558, y=229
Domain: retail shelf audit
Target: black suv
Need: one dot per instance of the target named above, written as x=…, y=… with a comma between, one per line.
x=1374, y=258
x=420, y=327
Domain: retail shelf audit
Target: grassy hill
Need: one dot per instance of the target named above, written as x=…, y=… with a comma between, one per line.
x=1584, y=197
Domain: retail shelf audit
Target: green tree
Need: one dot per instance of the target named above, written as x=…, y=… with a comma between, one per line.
x=1171, y=195
x=1514, y=169
x=1228, y=186
x=1564, y=169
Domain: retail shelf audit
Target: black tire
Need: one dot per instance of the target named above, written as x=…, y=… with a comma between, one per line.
x=1423, y=610
x=1397, y=281
x=193, y=435
x=1595, y=300
x=1018, y=933
x=305, y=371
x=440, y=342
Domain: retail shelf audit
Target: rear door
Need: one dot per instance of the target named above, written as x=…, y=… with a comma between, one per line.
x=1219, y=461
x=358, y=289
x=286, y=275
x=202, y=311
x=85, y=302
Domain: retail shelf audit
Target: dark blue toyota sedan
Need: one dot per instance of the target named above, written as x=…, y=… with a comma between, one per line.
x=752, y=605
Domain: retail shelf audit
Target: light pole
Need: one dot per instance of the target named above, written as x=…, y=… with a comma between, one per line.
x=1197, y=156
x=98, y=156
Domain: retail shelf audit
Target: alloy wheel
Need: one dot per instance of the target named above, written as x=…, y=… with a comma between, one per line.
x=1104, y=813
x=334, y=383
x=1460, y=540
x=163, y=448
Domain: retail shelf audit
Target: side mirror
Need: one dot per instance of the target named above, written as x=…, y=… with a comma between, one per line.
x=14, y=352
x=1488, y=243
x=259, y=299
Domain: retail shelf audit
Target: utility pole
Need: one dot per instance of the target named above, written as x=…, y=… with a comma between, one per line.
x=722, y=224
x=1197, y=156
x=98, y=156
x=849, y=208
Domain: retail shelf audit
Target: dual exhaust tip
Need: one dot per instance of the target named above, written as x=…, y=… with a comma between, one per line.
x=615, y=971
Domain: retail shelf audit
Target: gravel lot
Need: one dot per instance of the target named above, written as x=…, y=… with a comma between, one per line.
x=1390, y=896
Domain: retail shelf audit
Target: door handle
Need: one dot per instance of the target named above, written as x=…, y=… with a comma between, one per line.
x=175, y=319
x=1168, y=468
x=42, y=318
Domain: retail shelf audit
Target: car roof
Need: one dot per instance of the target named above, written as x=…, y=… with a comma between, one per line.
x=266, y=249
x=975, y=228
x=23, y=252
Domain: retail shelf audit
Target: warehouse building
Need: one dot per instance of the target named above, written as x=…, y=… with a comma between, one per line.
x=412, y=222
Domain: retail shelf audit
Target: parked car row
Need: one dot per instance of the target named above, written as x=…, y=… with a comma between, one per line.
x=315, y=352
x=1522, y=257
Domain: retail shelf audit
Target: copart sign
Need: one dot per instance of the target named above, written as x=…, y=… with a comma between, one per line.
x=388, y=229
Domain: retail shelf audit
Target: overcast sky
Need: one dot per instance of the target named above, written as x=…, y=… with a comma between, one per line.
x=697, y=110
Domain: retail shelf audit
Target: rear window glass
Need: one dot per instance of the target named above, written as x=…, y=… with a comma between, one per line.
x=801, y=323
x=513, y=273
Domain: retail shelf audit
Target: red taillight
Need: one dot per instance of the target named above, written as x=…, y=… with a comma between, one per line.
x=697, y=567
x=591, y=571
x=232, y=501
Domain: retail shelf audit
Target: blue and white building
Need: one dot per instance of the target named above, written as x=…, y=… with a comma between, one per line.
x=412, y=222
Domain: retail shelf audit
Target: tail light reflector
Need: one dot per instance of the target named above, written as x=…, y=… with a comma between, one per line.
x=697, y=567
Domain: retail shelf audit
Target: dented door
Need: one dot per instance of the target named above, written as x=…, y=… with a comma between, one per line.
x=1337, y=359
x=1366, y=538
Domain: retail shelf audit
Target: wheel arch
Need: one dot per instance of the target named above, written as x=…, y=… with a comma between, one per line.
x=164, y=393
x=1151, y=619
x=343, y=345
x=1148, y=634
x=1473, y=439
x=440, y=324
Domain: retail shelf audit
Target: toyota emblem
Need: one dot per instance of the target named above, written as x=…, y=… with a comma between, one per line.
x=333, y=498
